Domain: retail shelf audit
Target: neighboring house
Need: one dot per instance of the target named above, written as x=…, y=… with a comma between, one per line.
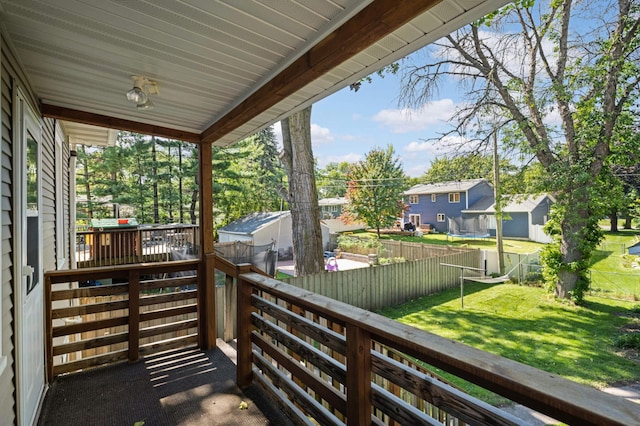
x=266, y=228
x=525, y=216
x=331, y=209
x=432, y=204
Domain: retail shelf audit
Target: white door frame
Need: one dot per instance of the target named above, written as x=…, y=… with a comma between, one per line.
x=30, y=371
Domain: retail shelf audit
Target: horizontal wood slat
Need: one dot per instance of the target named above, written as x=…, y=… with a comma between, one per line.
x=93, y=343
x=90, y=362
x=89, y=309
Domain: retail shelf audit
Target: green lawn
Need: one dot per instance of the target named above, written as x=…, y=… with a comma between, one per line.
x=612, y=274
x=528, y=325
x=525, y=324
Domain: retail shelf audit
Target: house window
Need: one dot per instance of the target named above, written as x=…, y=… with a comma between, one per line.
x=454, y=197
x=413, y=199
x=433, y=198
x=440, y=217
x=415, y=219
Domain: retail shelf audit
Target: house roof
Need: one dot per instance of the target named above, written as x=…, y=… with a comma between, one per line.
x=252, y=223
x=224, y=69
x=443, y=187
x=518, y=203
x=337, y=201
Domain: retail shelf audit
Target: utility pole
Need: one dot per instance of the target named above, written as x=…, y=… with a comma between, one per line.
x=498, y=203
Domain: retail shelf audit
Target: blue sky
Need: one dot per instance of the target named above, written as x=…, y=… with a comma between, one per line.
x=347, y=125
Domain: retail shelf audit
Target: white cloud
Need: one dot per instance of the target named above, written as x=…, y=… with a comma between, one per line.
x=433, y=147
x=352, y=157
x=416, y=171
x=408, y=120
x=319, y=135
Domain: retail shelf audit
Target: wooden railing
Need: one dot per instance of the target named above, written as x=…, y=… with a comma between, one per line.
x=320, y=359
x=129, y=317
x=316, y=357
x=107, y=247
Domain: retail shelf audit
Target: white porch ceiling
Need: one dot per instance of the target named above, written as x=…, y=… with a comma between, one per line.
x=207, y=56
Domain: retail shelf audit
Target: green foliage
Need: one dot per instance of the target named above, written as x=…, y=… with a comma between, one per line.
x=391, y=260
x=156, y=180
x=375, y=189
x=627, y=341
x=332, y=180
x=361, y=244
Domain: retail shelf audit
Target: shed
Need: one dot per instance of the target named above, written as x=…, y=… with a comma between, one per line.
x=266, y=228
x=634, y=249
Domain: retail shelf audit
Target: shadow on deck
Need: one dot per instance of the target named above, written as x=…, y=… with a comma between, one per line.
x=179, y=387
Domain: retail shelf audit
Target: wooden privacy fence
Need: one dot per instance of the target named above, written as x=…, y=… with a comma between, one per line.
x=415, y=251
x=374, y=288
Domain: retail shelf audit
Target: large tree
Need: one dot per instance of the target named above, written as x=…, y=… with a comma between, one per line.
x=375, y=189
x=302, y=194
x=563, y=76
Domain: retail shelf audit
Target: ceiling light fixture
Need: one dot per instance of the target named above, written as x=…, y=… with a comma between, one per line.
x=142, y=88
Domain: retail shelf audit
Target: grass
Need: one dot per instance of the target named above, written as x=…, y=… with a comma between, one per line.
x=525, y=324
x=612, y=274
x=528, y=325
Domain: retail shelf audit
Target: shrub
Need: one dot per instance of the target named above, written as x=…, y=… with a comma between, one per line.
x=627, y=341
x=360, y=245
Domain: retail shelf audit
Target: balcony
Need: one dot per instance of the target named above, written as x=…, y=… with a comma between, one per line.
x=312, y=356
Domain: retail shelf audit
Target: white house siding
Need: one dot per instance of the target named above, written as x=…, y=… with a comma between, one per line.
x=7, y=379
x=11, y=77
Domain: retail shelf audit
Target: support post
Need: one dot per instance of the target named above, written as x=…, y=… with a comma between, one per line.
x=359, y=396
x=206, y=270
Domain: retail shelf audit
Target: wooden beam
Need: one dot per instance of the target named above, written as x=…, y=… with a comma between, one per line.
x=371, y=24
x=206, y=271
x=76, y=116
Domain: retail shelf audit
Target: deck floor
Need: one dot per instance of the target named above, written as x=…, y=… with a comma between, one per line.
x=181, y=387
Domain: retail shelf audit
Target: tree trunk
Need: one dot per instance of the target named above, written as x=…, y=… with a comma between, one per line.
x=87, y=185
x=180, y=174
x=573, y=227
x=627, y=221
x=302, y=195
x=613, y=218
x=154, y=171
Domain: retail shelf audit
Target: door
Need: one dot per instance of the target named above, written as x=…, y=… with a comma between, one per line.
x=28, y=260
x=415, y=219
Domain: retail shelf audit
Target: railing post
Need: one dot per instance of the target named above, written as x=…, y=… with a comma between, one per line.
x=244, y=375
x=139, y=247
x=134, y=315
x=359, y=397
x=230, y=293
